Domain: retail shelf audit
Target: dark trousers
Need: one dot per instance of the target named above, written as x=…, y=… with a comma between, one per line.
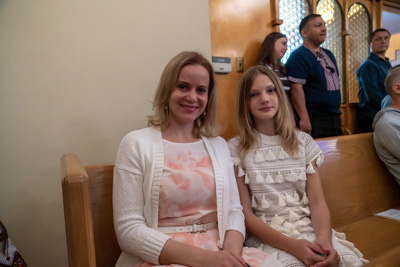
x=325, y=124
x=364, y=121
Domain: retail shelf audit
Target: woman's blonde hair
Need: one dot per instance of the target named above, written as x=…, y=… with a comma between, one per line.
x=204, y=124
x=284, y=126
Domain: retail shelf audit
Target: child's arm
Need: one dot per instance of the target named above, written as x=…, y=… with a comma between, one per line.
x=300, y=248
x=320, y=217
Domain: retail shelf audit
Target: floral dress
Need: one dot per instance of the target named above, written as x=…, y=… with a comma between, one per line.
x=188, y=196
x=277, y=183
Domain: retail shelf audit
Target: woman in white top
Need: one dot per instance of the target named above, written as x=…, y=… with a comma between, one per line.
x=175, y=197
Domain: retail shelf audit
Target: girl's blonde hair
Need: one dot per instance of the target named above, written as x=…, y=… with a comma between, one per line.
x=204, y=124
x=284, y=126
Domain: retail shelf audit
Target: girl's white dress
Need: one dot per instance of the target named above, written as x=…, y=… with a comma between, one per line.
x=277, y=183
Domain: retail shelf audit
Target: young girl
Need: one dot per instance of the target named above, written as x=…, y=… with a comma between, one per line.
x=175, y=198
x=279, y=186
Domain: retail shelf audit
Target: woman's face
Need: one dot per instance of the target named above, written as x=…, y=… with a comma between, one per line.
x=189, y=97
x=280, y=47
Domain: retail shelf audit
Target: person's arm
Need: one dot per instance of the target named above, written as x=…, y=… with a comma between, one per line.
x=320, y=217
x=299, y=103
x=368, y=81
x=300, y=248
x=388, y=135
x=233, y=242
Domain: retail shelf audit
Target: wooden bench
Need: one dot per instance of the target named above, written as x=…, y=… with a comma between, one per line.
x=356, y=185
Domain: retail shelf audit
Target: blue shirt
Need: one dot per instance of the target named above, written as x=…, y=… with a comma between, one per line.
x=319, y=76
x=371, y=83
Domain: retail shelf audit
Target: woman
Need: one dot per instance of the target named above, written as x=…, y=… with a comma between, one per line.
x=175, y=198
x=271, y=52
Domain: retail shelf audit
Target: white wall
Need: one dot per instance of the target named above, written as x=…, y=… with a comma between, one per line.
x=76, y=76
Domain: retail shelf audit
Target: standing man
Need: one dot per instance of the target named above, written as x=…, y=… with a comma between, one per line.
x=387, y=126
x=371, y=76
x=315, y=84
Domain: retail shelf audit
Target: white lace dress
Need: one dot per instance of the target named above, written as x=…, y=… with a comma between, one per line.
x=277, y=183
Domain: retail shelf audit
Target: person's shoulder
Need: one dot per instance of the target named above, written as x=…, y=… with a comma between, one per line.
x=303, y=137
x=234, y=140
x=387, y=117
x=298, y=56
x=141, y=135
x=233, y=143
x=392, y=116
x=216, y=140
x=367, y=64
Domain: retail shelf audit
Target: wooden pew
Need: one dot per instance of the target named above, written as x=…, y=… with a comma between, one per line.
x=356, y=185
x=87, y=194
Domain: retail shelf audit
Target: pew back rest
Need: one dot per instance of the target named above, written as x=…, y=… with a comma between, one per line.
x=87, y=196
x=356, y=183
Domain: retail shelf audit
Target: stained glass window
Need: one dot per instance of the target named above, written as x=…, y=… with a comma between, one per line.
x=359, y=28
x=331, y=13
x=292, y=12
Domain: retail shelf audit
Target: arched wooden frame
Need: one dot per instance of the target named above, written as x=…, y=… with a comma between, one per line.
x=353, y=88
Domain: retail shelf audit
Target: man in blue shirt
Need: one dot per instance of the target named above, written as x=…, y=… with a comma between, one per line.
x=371, y=76
x=315, y=84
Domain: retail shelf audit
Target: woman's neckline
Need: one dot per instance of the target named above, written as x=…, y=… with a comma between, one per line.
x=183, y=143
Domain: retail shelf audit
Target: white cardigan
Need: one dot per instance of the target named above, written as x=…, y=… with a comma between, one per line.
x=137, y=176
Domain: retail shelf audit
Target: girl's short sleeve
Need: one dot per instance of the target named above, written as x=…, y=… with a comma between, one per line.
x=233, y=147
x=312, y=150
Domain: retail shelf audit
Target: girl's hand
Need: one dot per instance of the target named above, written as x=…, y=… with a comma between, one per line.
x=308, y=252
x=332, y=258
x=223, y=258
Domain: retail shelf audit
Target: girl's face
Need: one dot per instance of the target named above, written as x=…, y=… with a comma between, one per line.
x=280, y=47
x=263, y=100
x=189, y=97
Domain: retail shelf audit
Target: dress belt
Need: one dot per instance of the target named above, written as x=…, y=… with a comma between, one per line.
x=194, y=228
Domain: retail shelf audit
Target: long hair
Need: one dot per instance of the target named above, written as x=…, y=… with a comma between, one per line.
x=265, y=56
x=204, y=124
x=283, y=120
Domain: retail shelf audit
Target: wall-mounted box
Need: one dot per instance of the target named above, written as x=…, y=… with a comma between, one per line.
x=221, y=64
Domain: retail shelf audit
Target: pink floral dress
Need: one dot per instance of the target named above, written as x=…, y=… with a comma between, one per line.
x=188, y=196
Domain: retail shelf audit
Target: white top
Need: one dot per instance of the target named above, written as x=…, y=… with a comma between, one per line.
x=277, y=181
x=137, y=177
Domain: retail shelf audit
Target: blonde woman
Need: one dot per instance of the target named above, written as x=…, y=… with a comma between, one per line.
x=175, y=197
x=279, y=185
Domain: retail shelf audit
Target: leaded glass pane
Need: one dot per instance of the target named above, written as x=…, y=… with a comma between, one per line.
x=331, y=13
x=292, y=12
x=359, y=27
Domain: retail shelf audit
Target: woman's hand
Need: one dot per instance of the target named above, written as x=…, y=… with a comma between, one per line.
x=308, y=252
x=332, y=258
x=223, y=258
